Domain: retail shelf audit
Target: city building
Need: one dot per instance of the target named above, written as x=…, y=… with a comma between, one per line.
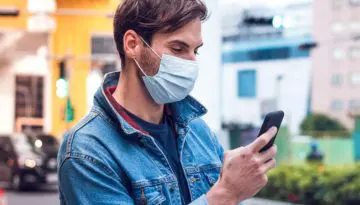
x=47, y=58
x=24, y=73
x=336, y=59
x=265, y=66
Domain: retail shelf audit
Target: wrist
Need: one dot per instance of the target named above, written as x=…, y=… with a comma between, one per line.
x=218, y=195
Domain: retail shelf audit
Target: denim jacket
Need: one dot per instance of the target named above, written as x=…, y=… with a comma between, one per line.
x=106, y=159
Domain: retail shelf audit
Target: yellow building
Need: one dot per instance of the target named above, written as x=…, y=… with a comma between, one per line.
x=77, y=22
x=69, y=27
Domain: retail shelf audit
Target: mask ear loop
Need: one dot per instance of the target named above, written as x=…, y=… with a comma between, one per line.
x=138, y=65
x=150, y=47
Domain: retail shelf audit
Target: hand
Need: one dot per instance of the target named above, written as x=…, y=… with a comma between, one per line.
x=244, y=172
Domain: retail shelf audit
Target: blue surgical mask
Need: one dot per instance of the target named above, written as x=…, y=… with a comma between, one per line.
x=174, y=80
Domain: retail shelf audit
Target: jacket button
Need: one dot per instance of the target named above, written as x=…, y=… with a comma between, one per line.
x=193, y=179
x=171, y=189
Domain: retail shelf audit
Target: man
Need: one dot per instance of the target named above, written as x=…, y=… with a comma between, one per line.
x=315, y=156
x=144, y=142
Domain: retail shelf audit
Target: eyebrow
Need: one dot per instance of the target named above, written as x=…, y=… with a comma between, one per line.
x=183, y=43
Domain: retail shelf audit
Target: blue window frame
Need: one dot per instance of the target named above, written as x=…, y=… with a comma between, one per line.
x=247, y=83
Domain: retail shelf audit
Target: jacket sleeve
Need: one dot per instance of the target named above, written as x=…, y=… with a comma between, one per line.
x=202, y=200
x=87, y=181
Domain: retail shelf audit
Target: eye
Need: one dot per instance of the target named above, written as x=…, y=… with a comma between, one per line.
x=177, y=50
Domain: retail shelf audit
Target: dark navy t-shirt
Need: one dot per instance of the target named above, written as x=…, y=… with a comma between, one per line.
x=166, y=138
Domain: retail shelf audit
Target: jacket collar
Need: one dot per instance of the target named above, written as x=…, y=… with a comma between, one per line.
x=182, y=112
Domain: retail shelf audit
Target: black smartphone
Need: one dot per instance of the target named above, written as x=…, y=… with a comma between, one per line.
x=272, y=119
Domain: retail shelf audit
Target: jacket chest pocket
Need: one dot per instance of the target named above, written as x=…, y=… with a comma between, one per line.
x=149, y=195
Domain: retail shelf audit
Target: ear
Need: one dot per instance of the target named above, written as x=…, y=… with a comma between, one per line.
x=132, y=44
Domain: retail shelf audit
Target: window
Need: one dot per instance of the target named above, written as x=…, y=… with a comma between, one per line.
x=269, y=54
x=338, y=27
x=354, y=26
x=247, y=83
x=29, y=96
x=354, y=104
x=339, y=54
x=102, y=45
x=354, y=2
x=336, y=4
x=336, y=79
x=260, y=52
x=355, y=79
x=104, y=54
x=354, y=52
x=337, y=105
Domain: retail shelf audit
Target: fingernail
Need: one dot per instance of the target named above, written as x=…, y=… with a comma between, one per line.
x=273, y=130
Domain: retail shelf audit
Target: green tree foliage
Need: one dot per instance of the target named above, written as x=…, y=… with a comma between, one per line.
x=320, y=125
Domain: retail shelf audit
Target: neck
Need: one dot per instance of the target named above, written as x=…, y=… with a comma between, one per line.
x=133, y=96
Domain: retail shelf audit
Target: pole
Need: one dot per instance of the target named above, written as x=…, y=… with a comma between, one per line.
x=278, y=91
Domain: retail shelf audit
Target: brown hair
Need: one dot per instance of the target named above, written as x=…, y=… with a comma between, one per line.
x=147, y=17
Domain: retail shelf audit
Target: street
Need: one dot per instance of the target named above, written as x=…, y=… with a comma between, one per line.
x=48, y=195
x=44, y=196
x=263, y=202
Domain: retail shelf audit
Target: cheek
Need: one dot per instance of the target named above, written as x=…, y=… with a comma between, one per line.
x=150, y=63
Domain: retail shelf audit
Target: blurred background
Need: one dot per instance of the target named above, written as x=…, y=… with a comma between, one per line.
x=299, y=56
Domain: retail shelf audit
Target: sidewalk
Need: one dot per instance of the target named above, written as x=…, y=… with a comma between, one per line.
x=256, y=201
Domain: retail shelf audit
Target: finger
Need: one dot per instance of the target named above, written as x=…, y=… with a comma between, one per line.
x=262, y=140
x=236, y=154
x=268, y=154
x=271, y=164
x=238, y=151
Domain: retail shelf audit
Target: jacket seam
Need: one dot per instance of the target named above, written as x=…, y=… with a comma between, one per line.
x=81, y=124
x=103, y=116
x=92, y=160
x=110, y=124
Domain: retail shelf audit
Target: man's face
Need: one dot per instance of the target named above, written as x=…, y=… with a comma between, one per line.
x=183, y=43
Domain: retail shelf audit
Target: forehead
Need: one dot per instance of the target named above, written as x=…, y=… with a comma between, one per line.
x=189, y=33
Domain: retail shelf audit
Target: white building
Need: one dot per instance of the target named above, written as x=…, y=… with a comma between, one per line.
x=25, y=80
x=264, y=68
x=291, y=92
